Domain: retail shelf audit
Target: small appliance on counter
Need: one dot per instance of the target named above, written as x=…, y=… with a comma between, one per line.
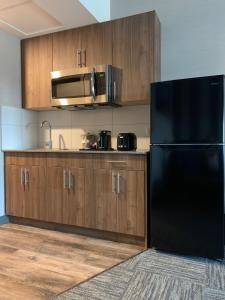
x=89, y=141
x=104, y=142
x=126, y=142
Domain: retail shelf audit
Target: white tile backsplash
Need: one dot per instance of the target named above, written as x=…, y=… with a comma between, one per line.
x=69, y=126
x=58, y=119
x=101, y=116
x=131, y=115
x=19, y=128
x=12, y=136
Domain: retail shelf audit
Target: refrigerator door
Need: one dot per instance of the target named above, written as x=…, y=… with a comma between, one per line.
x=187, y=111
x=186, y=200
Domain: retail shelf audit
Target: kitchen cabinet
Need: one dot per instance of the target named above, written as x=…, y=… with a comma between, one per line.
x=36, y=68
x=55, y=193
x=97, y=44
x=82, y=47
x=106, y=200
x=74, y=203
x=120, y=194
x=25, y=190
x=131, y=204
x=136, y=51
x=96, y=191
x=131, y=45
x=66, y=49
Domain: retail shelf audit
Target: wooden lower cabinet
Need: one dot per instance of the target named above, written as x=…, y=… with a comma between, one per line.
x=24, y=196
x=106, y=201
x=52, y=204
x=131, y=202
x=73, y=204
x=95, y=196
x=14, y=191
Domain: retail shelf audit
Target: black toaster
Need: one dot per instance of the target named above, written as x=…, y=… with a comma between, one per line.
x=126, y=142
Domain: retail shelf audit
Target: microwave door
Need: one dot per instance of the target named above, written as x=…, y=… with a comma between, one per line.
x=70, y=87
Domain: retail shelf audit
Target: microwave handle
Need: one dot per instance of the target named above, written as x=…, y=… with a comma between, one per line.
x=93, y=93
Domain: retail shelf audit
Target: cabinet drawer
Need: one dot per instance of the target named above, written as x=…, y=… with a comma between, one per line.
x=119, y=161
x=24, y=158
x=69, y=160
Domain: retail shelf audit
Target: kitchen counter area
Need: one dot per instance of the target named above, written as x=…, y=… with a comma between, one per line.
x=76, y=151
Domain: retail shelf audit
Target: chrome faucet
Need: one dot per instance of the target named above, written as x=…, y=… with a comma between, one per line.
x=48, y=144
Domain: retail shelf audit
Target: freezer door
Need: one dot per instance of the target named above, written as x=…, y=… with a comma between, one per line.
x=187, y=199
x=188, y=111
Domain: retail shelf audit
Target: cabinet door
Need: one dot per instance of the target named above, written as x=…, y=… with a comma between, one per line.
x=106, y=200
x=56, y=193
x=74, y=204
x=131, y=195
x=35, y=192
x=65, y=47
x=36, y=66
x=134, y=45
x=15, y=191
x=97, y=44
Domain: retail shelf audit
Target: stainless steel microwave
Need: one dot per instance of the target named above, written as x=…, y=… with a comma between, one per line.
x=84, y=87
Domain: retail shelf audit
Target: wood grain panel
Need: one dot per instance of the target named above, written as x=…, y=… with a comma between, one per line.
x=25, y=159
x=52, y=205
x=119, y=161
x=35, y=192
x=73, y=212
x=14, y=191
x=36, y=68
x=134, y=41
x=106, y=201
x=97, y=43
x=131, y=202
x=65, y=46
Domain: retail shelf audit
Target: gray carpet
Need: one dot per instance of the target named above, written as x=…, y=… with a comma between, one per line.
x=155, y=275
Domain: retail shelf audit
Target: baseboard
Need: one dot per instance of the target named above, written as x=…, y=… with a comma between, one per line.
x=117, y=237
x=4, y=220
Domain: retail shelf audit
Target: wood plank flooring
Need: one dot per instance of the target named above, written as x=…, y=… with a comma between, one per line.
x=40, y=264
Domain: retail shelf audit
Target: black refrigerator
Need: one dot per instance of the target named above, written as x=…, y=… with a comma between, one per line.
x=186, y=166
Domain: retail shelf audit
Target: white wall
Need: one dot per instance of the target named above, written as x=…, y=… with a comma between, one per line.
x=193, y=35
x=10, y=70
x=100, y=9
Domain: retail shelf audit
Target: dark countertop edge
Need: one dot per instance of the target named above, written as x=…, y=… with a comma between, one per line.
x=138, y=152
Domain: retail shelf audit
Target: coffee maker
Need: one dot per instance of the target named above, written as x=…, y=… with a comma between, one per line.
x=104, y=142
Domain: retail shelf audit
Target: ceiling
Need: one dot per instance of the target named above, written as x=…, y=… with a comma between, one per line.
x=27, y=18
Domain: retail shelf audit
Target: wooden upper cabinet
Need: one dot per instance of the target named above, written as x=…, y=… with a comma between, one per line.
x=97, y=44
x=36, y=68
x=83, y=47
x=66, y=45
x=136, y=51
x=132, y=45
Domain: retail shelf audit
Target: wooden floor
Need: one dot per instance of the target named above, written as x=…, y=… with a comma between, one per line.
x=39, y=264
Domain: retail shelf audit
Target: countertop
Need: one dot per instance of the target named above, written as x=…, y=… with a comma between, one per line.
x=42, y=150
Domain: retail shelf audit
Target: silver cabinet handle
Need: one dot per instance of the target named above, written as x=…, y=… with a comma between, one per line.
x=93, y=84
x=26, y=181
x=22, y=176
x=118, y=183
x=83, y=59
x=114, y=90
x=114, y=183
x=79, y=63
x=65, y=186
x=70, y=180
